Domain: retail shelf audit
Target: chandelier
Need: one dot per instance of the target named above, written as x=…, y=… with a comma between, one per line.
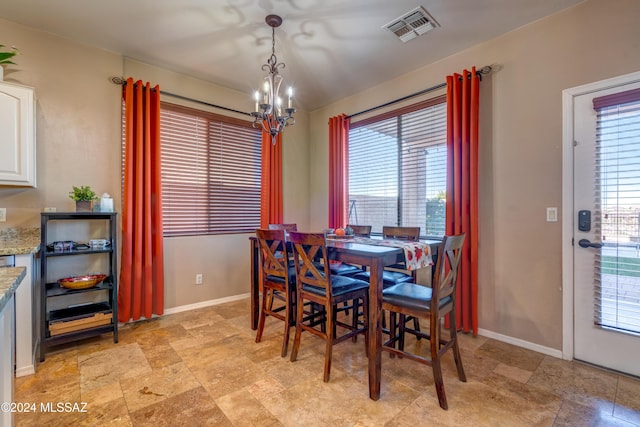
x=269, y=106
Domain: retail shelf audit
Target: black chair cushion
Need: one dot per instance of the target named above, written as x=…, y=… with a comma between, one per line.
x=411, y=296
x=278, y=279
x=344, y=269
x=389, y=277
x=340, y=285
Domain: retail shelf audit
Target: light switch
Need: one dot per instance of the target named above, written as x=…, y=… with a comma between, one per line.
x=3, y=214
x=552, y=214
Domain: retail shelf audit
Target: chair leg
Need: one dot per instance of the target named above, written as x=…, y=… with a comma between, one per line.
x=392, y=331
x=354, y=318
x=263, y=315
x=384, y=320
x=365, y=321
x=287, y=327
x=456, y=347
x=437, y=379
x=402, y=322
x=434, y=344
x=416, y=327
x=298, y=335
x=331, y=333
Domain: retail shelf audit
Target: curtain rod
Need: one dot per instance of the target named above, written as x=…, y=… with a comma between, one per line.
x=483, y=71
x=122, y=82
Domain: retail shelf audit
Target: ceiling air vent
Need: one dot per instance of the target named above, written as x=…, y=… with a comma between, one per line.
x=412, y=24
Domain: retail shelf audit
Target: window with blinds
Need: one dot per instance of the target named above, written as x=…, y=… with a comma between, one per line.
x=211, y=172
x=617, y=284
x=398, y=168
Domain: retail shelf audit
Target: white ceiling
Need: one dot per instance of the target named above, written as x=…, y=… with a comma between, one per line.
x=332, y=48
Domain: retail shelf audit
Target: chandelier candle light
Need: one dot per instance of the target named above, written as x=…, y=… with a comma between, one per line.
x=268, y=108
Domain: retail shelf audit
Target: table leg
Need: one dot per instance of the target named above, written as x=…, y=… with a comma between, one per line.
x=255, y=291
x=375, y=328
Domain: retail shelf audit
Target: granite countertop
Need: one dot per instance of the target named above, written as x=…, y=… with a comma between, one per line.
x=10, y=278
x=19, y=241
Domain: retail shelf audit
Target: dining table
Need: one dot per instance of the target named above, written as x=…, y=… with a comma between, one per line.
x=353, y=251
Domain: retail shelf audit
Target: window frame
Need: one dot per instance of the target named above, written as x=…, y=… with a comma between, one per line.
x=253, y=173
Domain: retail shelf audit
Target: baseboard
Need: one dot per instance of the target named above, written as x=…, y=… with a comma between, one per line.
x=521, y=343
x=203, y=304
x=25, y=370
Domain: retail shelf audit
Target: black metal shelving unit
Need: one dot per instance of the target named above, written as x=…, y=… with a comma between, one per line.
x=52, y=290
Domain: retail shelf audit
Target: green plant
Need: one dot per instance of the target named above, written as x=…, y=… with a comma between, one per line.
x=5, y=57
x=83, y=193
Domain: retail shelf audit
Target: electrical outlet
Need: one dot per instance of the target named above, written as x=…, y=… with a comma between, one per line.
x=552, y=214
x=3, y=214
x=49, y=209
x=198, y=279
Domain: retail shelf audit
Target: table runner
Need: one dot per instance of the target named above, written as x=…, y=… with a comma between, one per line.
x=417, y=254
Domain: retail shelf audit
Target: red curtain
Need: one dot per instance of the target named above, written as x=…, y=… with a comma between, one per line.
x=141, y=288
x=271, y=210
x=338, y=170
x=463, y=94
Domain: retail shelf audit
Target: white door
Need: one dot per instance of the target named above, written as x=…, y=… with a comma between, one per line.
x=606, y=232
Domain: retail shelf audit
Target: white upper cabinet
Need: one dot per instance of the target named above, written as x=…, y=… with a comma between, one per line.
x=17, y=135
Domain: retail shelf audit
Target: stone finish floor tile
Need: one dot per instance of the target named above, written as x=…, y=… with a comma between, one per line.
x=581, y=383
x=627, y=405
x=202, y=367
x=192, y=408
x=107, y=366
x=158, y=385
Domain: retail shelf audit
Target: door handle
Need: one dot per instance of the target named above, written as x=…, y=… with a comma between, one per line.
x=584, y=243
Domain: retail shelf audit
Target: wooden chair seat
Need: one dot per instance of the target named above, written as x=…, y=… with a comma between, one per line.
x=340, y=285
x=389, y=277
x=412, y=296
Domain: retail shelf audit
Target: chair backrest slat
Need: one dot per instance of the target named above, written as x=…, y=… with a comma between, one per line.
x=273, y=252
x=446, y=274
x=307, y=249
x=287, y=227
x=360, y=230
x=401, y=233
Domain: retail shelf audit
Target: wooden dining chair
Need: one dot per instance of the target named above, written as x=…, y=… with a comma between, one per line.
x=395, y=273
x=410, y=299
x=319, y=286
x=350, y=269
x=277, y=282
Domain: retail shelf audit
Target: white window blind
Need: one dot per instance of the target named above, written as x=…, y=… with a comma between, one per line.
x=617, y=284
x=397, y=169
x=211, y=172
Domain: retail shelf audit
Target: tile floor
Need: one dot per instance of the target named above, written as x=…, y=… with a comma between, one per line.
x=203, y=367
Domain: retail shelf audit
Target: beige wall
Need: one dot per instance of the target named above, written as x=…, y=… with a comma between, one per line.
x=79, y=143
x=520, y=261
x=77, y=115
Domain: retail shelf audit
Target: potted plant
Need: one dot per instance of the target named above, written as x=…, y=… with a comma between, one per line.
x=5, y=58
x=84, y=196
